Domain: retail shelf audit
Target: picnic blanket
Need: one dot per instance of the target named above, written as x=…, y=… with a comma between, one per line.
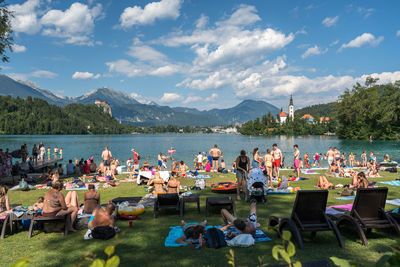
x=395, y=202
x=346, y=198
x=343, y=207
x=199, y=176
x=177, y=232
x=394, y=183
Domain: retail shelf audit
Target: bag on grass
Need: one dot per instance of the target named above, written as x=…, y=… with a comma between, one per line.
x=215, y=238
x=103, y=232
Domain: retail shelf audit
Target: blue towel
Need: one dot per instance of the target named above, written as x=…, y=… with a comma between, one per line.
x=177, y=232
x=346, y=198
x=200, y=176
x=278, y=192
x=394, y=183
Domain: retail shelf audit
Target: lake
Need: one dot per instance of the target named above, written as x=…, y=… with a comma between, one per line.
x=188, y=145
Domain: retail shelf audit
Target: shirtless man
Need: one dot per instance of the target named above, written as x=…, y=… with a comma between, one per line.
x=337, y=154
x=331, y=156
x=215, y=153
x=106, y=156
x=102, y=217
x=245, y=227
x=277, y=154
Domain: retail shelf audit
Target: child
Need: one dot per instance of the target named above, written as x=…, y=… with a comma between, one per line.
x=39, y=204
x=191, y=232
x=208, y=166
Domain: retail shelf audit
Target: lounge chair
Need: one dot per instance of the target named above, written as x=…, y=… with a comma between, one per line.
x=368, y=213
x=308, y=215
x=45, y=219
x=167, y=201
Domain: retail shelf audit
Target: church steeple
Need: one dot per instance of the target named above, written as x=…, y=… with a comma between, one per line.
x=291, y=108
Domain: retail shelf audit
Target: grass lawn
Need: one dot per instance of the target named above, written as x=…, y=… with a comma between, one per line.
x=143, y=244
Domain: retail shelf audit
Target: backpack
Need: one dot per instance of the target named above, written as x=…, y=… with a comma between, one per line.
x=103, y=232
x=215, y=238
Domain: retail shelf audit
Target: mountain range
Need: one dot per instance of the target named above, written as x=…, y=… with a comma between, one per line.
x=128, y=110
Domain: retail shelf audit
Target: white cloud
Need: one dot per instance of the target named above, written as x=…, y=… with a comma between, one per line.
x=315, y=50
x=75, y=24
x=364, y=39
x=191, y=99
x=85, y=76
x=147, y=53
x=25, y=17
x=366, y=12
x=18, y=48
x=212, y=97
x=329, y=22
x=140, y=98
x=334, y=43
x=398, y=33
x=170, y=97
x=35, y=74
x=202, y=21
x=130, y=69
x=167, y=70
x=165, y=9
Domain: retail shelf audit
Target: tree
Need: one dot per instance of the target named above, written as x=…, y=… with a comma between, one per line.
x=6, y=40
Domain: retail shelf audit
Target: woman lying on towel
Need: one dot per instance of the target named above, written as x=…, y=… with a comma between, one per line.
x=371, y=169
x=191, y=232
x=323, y=183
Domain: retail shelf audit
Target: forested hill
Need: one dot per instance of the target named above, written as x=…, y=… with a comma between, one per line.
x=36, y=116
x=320, y=110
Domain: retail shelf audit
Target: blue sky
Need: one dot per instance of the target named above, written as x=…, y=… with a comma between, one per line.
x=205, y=54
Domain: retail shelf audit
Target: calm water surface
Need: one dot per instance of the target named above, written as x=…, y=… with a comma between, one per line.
x=188, y=145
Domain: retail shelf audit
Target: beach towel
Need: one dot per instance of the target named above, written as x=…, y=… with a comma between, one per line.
x=394, y=183
x=278, y=191
x=346, y=198
x=343, y=207
x=395, y=202
x=332, y=211
x=199, y=176
x=308, y=172
x=177, y=232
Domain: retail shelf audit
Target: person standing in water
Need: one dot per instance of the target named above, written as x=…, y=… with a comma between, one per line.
x=215, y=153
x=296, y=156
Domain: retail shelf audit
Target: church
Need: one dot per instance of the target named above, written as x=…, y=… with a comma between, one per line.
x=283, y=116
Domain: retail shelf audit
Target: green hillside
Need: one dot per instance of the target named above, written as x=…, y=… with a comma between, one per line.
x=320, y=110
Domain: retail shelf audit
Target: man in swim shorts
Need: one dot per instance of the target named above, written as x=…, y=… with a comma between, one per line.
x=277, y=154
x=215, y=153
x=330, y=155
x=249, y=226
x=337, y=154
x=106, y=156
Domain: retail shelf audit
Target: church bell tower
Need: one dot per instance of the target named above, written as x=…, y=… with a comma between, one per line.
x=291, y=108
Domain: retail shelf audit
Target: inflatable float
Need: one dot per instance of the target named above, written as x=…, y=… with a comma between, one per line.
x=224, y=187
x=131, y=212
x=387, y=164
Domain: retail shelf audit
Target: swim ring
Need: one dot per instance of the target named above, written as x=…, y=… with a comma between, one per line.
x=224, y=187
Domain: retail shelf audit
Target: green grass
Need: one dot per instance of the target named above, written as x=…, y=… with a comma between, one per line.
x=143, y=244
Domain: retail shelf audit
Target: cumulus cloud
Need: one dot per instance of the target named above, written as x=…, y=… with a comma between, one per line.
x=191, y=99
x=329, y=22
x=75, y=24
x=212, y=97
x=18, y=48
x=165, y=9
x=315, y=50
x=25, y=17
x=202, y=21
x=170, y=97
x=364, y=39
x=334, y=43
x=147, y=53
x=85, y=76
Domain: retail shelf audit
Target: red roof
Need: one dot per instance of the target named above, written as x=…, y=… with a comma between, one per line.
x=282, y=114
x=307, y=116
x=324, y=119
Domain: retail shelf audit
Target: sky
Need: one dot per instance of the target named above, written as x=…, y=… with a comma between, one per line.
x=205, y=54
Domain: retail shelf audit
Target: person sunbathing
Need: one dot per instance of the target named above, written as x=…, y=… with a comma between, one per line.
x=249, y=226
x=323, y=183
x=39, y=204
x=103, y=216
x=56, y=205
x=191, y=232
x=158, y=183
x=173, y=186
x=371, y=169
x=4, y=200
x=333, y=170
x=91, y=199
x=360, y=181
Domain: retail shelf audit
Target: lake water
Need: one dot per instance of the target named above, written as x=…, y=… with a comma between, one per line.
x=188, y=145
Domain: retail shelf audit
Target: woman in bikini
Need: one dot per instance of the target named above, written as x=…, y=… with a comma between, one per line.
x=256, y=158
x=173, y=186
x=323, y=183
x=4, y=200
x=269, y=159
x=191, y=232
x=360, y=181
x=351, y=159
x=158, y=183
x=182, y=169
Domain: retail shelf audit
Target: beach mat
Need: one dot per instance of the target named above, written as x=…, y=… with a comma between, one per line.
x=177, y=232
x=200, y=176
x=346, y=198
x=394, y=183
x=308, y=172
x=278, y=192
x=343, y=207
